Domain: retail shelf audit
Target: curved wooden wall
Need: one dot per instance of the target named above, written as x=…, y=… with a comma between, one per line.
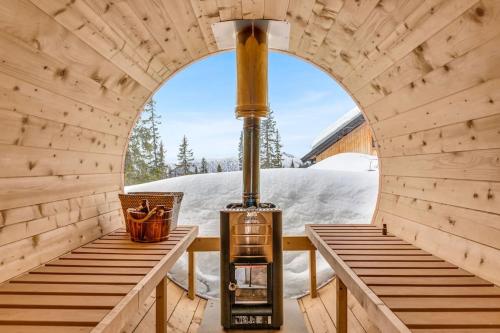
x=74, y=73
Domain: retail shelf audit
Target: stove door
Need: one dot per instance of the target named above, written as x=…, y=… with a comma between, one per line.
x=250, y=283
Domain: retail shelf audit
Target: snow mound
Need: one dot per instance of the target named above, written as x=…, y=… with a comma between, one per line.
x=348, y=162
x=305, y=195
x=337, y=125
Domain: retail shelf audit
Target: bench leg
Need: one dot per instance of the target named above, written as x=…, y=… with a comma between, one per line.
x=191, y=275
x=341, y=306
x=161, y=306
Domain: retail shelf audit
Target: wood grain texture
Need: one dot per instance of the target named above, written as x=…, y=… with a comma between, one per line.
x=74, y=75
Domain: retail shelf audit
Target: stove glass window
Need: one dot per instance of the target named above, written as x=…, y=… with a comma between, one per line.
x=252, y=284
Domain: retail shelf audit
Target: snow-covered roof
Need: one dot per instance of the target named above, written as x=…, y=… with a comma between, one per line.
x=337, y=126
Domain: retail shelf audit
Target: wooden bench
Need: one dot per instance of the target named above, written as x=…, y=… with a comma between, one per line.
x=401, y=287
x=95, y=288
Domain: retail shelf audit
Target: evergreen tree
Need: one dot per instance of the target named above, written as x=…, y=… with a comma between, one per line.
x=162, y=169
x=204, y=165
x=292, y=165
x=184, y=158
x=151, y=121
x=219, y=168
x=240, y=151
x=267, y=133
x=277, y=157
x=134, y=159
x=195, y=169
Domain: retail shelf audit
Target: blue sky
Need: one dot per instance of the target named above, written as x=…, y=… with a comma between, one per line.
x=199, y=102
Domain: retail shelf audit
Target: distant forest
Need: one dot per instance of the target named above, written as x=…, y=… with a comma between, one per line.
x=145, y=160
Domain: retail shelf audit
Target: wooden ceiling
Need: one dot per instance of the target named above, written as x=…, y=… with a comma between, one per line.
x=75, y=73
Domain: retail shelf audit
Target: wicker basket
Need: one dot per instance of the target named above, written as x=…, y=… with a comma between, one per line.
x=149, y=228
x=167, y=199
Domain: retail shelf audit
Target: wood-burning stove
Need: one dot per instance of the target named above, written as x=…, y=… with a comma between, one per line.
x=251, y=267
x=251, y=236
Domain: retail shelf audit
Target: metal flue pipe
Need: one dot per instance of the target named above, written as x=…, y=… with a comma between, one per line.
x=252, y=101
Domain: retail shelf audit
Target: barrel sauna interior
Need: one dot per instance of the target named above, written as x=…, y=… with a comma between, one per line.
x=74, y=75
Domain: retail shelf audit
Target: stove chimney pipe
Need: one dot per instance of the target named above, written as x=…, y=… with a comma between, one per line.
x=252, y=100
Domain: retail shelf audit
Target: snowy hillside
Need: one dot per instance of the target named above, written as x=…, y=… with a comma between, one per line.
x=305, y=195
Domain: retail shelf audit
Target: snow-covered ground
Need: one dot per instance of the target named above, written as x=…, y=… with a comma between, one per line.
x=322, y=194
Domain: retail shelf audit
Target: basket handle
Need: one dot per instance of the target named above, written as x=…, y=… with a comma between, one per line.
x=144, y=219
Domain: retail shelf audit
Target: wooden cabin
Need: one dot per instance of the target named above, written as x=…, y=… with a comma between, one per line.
x=75, y=74
x=349, y=134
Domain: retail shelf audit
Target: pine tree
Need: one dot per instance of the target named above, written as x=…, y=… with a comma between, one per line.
x=162, y=169
x=240, y=151
x=267, y=133
x=292, y=165
x=204, y=165
x=184, y=158
x=277, y=157
x=136, y=159
x=219, y=168
x=152, y=140
x=195, y=169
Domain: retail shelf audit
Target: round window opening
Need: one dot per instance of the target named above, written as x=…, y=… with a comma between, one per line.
x=317, y=157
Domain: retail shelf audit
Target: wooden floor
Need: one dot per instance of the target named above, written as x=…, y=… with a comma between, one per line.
x=320, y=312
x=184, y=315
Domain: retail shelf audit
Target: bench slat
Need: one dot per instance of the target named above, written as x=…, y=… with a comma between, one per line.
x=440, y=303
x=107, y=256
x=44, y=329
x=79, y=270
x=59, y=301
x=459, y=319
x=400, y=264
x=428, y=281
x=64, y=289
x=410, y=272
x=82, y=317
x=102, y=263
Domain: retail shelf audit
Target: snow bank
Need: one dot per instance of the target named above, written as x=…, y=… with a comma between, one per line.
x=348, y=162
x=305, y=195
x=338, y=124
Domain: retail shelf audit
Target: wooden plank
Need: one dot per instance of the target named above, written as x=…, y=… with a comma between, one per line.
x=453, y=192
x=191, y=275
x=451, y=291
x=410, y=272
x=341, y=305
x=81, y=270
x=468, y=165
x=64, y=289
x=382, y=258
x=475, y=225
x=102, y=263
x=400, y=264
x=459, y=319
x=78, y=279
x=44, y=329
x=31, y=252
x=427, y=281
x=161, y=306
x=58, y=301
x=313, y=290
x=442, y=303
x=68, y=317
x=114, y=257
